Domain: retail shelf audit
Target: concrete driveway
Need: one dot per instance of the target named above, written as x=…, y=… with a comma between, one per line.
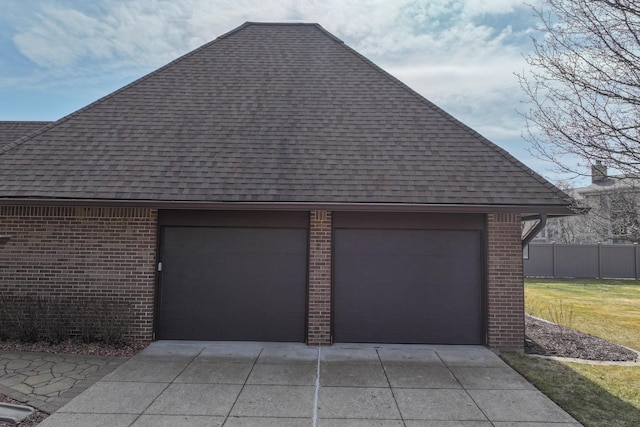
x=176, y=383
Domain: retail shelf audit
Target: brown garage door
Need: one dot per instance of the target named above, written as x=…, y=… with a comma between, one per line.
x=408, y=286
x=222, y=283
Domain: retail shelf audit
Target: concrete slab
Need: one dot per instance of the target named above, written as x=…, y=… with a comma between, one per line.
x=288, y=353
x=437, y=405
x=519, y=405
x=195, y=399
x=424, y=423
x=482, y=378
x=230, y=352
x=115, y=398
x=59, y=419
x=350, y=374
x=417, y=375
x=275, y=401
x=149, y=370
x=422, y=356
x=171, y=350
x=267, y=422
x=215, y=373
x=341, y=422
x=520, y=424
x=272, y=384
x=471, y=356
x=357, y=402
x=178, y=420
x=284, y=374
x=343, y=353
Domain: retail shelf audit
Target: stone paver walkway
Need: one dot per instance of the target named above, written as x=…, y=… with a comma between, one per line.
x=49, y=381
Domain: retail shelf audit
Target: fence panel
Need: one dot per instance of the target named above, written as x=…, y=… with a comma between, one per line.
x=540, y=261
x=576, y=261
x=583, y=261
x=618, y=261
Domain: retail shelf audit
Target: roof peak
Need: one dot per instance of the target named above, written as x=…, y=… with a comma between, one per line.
x=271, y=24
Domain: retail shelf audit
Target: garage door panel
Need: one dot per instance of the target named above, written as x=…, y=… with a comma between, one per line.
x=407, y=286
x=233, y=284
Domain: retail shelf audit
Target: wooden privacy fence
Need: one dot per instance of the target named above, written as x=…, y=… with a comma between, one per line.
x=583, y=261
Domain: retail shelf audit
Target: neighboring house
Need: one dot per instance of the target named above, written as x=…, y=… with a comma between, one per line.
x=274, y=185
x=613, y=216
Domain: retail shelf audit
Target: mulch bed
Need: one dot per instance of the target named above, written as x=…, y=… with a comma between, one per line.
x=549, y=339
x=71, y=346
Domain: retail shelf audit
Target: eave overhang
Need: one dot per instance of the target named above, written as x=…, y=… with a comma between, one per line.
x=525, y=210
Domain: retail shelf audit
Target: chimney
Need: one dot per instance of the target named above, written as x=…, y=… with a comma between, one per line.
x=598, y=172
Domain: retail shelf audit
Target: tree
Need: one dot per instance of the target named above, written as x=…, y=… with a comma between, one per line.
x=584, y=84
x=613, y=214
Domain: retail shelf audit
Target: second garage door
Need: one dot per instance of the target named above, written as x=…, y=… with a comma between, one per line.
x=408, y=286
x=233, y=283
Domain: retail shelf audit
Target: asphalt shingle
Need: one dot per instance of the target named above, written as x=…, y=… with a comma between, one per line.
x=273, y=113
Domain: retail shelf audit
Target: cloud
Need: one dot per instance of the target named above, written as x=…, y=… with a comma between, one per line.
x=139, y=32
x=461, y=54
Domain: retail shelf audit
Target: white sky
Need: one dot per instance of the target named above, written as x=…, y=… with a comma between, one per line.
x=58, y=55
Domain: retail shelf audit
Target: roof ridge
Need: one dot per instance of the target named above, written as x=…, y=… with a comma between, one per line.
x=25, y=121
x=11, y=145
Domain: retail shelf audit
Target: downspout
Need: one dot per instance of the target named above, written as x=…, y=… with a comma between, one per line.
x=535, y=230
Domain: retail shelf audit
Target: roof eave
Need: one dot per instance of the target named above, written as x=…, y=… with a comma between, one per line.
x=295, y=206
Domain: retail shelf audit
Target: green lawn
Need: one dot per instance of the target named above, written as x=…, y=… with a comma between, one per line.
x=594, y=395
x=608, y=309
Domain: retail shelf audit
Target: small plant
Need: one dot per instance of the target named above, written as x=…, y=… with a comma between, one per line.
x=113, y=320
x=20, y=318
x=55, y=319
x=561, y=313
x=534, y=306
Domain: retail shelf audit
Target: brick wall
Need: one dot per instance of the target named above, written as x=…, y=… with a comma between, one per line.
x=82, y=253
x=319, y=311
x=505, y=283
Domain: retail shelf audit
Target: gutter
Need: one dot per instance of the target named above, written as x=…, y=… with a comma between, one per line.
x=542, y=221
x=533, y=210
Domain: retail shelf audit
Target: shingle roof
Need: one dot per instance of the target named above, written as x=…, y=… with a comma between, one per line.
x=12, y=130
x=272, y=113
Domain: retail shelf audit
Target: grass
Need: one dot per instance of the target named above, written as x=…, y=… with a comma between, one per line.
x=595, y=395
x=608, y=309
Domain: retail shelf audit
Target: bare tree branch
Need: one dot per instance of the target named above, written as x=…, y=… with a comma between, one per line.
x=584, y=86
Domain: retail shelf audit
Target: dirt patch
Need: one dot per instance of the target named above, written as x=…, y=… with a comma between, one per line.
x=549, y=339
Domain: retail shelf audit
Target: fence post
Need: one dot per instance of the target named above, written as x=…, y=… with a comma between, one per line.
x=553, y=259
x=599, y=261
x=635, y=259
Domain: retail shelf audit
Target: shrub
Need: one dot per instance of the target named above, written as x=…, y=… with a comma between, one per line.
x=29, y=318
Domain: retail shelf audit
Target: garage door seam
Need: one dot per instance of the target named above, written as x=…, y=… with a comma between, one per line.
x=317, y=391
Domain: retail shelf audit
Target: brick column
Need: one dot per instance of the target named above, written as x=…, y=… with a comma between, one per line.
x=505, y=283
x=319, y=311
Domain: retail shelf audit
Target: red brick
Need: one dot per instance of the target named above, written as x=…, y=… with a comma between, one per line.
x=82, y=253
